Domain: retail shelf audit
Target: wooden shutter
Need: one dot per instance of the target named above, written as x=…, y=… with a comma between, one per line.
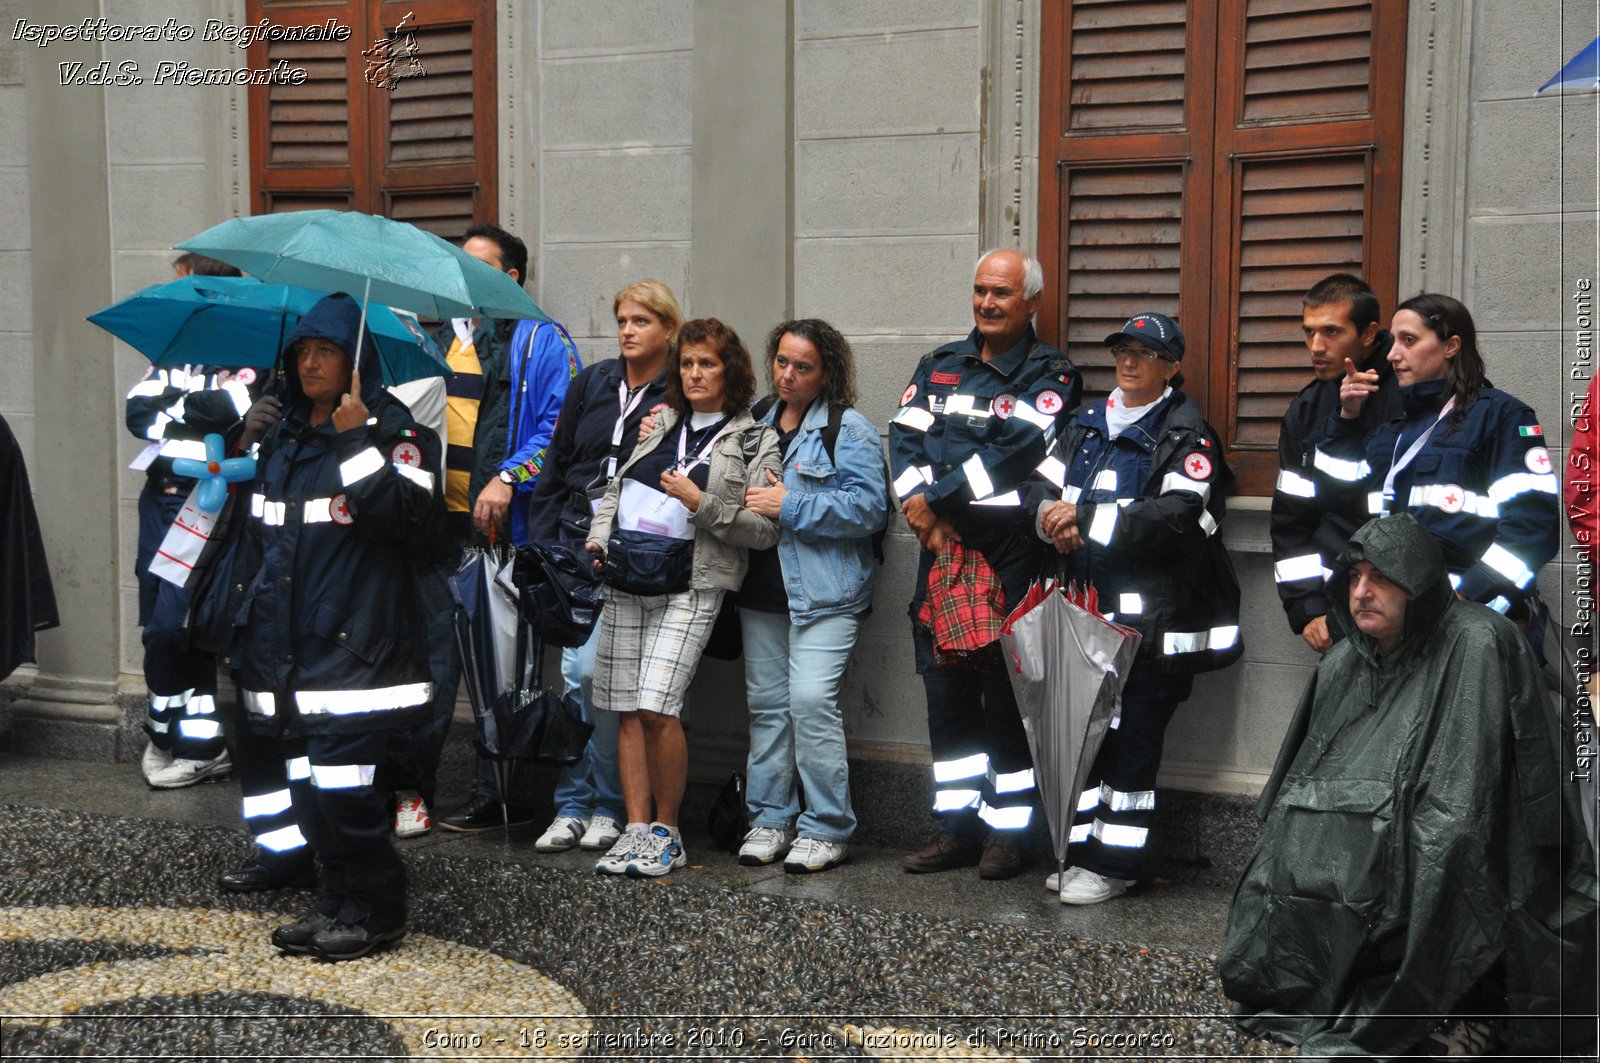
x=423, y=152
x=1272, y=128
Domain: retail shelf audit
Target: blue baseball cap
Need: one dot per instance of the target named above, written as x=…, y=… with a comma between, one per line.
x=1157, y=331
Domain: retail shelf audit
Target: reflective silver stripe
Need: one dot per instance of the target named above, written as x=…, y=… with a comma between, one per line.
x=146, y=389
x=240, y=396
x=1455, y=581
x=1120, y=835
x=199, y=729
x=1010, y=498
x=1014, y=781
x=1292, y=483
x=955, y=800
x=1072, y=494
x=350, y=702
x=1177, y=481
x=282, y=840
x=1341, y=468
x=258, y=805
x=297, y=768
x=342, y=776
x=1452, y=499
x=1306, y=566
x=1375, y=504
x=965, y=406
x=978, y=477
x=1218, y=638
x=1208, y=523
x=271, y=514
x=1106, y=481
x=359, y=467
x=193, y=449
x=1509, y=487
x=1103, y=524
x=421, y=477
x=201, y=705
x=1053, y=469
x=913, y=417
x=1508, y=565
x=1499, y=603
x=906, y=482
x=965, y=768
x=158, y=427
x=1024, y=409
x=260, y=702
x=316, y=511
x=1089, y=800
x=1130, y=603
x=158, y=726
x=162, y=702
x=1013, y=818
x=1079, y=834
x=1132, y=801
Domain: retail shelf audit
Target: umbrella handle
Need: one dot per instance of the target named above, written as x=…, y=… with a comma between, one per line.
x=361, y=330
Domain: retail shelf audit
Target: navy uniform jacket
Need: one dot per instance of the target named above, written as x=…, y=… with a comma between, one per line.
x=969, y=433
x=178, y=406
x=1308, y=533
x=1484, y=488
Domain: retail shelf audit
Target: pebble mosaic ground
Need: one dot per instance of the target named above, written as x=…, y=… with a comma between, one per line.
x=115, y=942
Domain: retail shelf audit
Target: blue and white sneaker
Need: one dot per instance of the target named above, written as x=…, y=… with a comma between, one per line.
x=659, y=853
x=615, y=861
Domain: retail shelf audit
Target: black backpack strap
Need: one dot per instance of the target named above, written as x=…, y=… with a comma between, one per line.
x=830, y=431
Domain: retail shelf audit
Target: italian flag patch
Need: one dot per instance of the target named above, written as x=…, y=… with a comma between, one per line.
x=1530, y=430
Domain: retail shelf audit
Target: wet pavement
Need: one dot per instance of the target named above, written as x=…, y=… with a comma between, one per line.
x=115, y=941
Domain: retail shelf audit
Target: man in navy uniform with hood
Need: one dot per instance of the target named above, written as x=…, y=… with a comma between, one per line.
x=333, y=661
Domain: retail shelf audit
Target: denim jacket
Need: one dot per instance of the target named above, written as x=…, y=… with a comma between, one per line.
x=829, y=514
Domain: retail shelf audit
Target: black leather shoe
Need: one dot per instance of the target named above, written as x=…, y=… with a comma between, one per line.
x=256, y=876
x=350, y=941
x=1002, y=855
x=483, y=813
x=296, y=936
x=944, y=852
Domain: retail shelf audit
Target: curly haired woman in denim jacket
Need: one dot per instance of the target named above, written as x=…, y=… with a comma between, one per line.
x=802, y=602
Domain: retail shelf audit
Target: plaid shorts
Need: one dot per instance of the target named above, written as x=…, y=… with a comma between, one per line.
x=650, y=647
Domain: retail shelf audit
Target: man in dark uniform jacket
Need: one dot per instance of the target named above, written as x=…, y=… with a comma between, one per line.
x=1339, y=317
x=973, y=424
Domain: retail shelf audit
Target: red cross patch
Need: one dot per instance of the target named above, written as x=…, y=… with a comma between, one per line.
x=1138, y=324
x=246, y=376
x=339, y=509
x=1452, y=499
x=1048, y=402
x=911, y=393
x=1197, y=466
x=406, y=454
x=1537, y=460
x=1003, y=406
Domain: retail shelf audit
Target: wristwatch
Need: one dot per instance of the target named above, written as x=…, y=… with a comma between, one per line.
x=507, y=478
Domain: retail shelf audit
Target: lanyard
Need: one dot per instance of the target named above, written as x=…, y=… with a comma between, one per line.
x=1396, y=464
x=627, y=406
x=704, y=452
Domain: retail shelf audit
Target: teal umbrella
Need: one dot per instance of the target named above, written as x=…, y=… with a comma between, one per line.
x=238, y=321
x=375, y=259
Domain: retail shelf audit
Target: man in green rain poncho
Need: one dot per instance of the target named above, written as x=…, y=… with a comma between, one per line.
x=1422, y=885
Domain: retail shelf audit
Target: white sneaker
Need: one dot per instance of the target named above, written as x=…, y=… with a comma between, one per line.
x=659, y=852
x=184, y=772
x=561, y=835
x=1082, y=886
x=411, y=818
x=763, y=845
x=603, y=832
x=154, y=760
x=810, y=855
x=615, y=862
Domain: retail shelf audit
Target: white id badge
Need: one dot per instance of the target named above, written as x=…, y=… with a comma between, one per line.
x=146, y=458
x=643, y=508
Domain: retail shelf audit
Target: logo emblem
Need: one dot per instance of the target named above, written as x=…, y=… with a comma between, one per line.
x=339, y=509
x=1197, y=466
x=1003, y=406
x=1048, y=403
x=911, y=393
x=245, y=376
x=1537, y=460
x=406, y=454
x=1452, y=499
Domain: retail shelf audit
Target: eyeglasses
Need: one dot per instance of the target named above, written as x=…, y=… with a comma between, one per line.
x=1135, y=350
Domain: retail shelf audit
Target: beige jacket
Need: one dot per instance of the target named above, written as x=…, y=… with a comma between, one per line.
x=724, y=531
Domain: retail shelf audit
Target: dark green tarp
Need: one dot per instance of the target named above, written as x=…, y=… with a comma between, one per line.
x=1423, y=848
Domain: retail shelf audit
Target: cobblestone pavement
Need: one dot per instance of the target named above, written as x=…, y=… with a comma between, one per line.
x=114, y=941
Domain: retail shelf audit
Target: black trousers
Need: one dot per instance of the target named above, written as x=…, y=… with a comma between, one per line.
x=262, y=763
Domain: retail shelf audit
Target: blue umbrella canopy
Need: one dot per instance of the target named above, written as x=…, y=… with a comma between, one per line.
x=240, y=321
x=372, y=258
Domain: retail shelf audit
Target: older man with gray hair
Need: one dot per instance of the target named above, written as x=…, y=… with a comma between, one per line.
x=976, y=419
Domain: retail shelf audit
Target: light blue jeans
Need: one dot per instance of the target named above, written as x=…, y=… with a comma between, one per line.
x=792, y=677
x=592, y=786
